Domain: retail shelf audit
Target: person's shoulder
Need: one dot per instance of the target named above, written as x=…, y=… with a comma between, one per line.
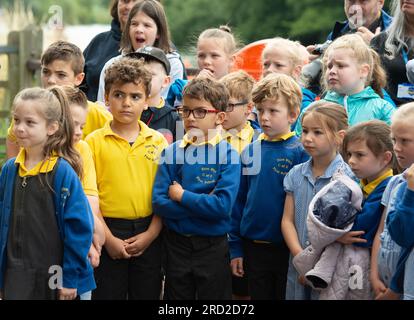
x=96, y=43
x=96, y=135
x=97, y=108
x=153, y=135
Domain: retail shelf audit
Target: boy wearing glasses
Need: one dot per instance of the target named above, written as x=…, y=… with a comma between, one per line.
x=194, y=191
x=256, y=241
x=240, y=131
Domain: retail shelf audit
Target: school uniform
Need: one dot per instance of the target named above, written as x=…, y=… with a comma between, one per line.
x=369, y=218
x=256, y=217
x=301, y=183
x=197, y=264
x=125, y=173
x=239, y=142
x=37, y=238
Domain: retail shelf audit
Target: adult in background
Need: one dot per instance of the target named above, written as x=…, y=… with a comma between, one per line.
x=395, y=47
x=364, y=17
x=104, y=46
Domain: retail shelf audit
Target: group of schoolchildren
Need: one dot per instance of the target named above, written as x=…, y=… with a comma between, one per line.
x=135, y=213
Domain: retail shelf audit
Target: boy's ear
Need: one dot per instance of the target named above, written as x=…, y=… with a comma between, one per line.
x=79, y=78
x=166, y=82
x=146, y=105
x=293, y=116
x=250, y=107
x=221, y=116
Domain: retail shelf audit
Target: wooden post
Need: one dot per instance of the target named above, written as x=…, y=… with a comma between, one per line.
x=30, y=45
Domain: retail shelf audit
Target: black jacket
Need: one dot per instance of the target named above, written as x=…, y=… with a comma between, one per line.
x=101, y=48
x=164, y=120
x=395, y=68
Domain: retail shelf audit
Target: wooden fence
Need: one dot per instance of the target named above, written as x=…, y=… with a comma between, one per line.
x=23, y=50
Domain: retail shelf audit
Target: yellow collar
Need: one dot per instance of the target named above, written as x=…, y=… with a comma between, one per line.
x=213, y=141
x=282, y=137
x=161, y=104
x=369, y=187
x=42, y=167
x=244, y=134
x=144, y=132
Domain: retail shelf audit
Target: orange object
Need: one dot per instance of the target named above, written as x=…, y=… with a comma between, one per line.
x=249, y=58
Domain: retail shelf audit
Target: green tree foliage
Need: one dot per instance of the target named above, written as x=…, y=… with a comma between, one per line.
x=74, y=11
x=309, y=21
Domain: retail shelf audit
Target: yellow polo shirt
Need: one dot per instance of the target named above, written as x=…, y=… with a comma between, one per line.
x=282, y=137
x=125, y=174
x=367, y=188
x=89, y=175
x=242, y=139
x=41, y=167
x=96, y=118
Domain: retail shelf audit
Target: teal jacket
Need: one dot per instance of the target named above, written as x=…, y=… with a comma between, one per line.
x=364, y=106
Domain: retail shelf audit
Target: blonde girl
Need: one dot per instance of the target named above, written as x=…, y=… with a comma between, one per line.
x=216, y=50
x=354, y=78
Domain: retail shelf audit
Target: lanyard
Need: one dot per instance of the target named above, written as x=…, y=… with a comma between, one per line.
x=405, y=56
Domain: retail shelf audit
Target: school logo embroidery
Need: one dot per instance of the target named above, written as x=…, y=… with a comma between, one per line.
x=208, y=175
x=152, y=152
x=282, y=166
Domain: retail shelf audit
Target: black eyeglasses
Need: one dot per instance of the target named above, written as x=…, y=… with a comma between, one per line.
x=198, y=113
x=230, y=106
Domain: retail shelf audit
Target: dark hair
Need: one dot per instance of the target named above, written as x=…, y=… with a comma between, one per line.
x=66, y=51
x=114, y=10
x=209, y=90
x=128, y=70
x=155, y=11
x=375, y=133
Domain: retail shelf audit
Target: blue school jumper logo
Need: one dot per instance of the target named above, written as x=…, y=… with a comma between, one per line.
x=283, y=166
x=208, y=175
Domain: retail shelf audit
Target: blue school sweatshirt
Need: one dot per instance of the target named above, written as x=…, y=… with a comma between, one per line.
x=210, y=176
x=258, y=211
x=369, y=218
x=400, y=223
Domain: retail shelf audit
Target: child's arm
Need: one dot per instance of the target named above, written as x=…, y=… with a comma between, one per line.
x=113, y=245
x=288, y=226
x=67, y=294
x=77, y=228
x=98, y=231
x=235, y=241
x=162, y=204
x=136, y=245
x=378, y=286
x=216, y=205
x=400, y=221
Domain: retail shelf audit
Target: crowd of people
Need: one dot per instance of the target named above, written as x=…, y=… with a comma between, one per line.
x=137, y=183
